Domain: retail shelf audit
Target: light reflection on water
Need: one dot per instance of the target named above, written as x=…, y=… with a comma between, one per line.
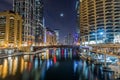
x=35, y=67
x=5, y=68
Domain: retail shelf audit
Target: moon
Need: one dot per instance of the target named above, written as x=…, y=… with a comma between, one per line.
x=61, y=14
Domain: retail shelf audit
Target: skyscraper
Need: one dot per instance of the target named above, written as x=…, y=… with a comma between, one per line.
x=39, y=31
x=77, y=8
x=32, y=13
x=78, y=15
x=100, y=21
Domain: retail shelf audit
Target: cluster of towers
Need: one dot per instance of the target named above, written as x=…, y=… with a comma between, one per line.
x=24, y=26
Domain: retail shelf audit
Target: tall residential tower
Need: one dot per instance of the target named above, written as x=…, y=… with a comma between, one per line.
x=100, y=21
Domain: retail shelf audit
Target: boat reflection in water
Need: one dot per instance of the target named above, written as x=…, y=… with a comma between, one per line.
x=54, y=64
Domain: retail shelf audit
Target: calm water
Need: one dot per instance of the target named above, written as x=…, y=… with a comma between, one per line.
x=54, y=64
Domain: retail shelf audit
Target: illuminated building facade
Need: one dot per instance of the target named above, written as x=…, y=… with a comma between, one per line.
x=50, y=37
x=69, y=39
x=77, y=35
x=77, y=8
x=25, y=9
x=57, y=35
x=39, y=31
x=10, y=29
x=32, y=14
x=100, y=21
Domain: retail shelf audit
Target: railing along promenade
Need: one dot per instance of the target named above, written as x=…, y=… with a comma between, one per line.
x=20, y=53
x=106, y=49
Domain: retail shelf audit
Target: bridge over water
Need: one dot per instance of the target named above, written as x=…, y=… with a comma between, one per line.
x=36, y=48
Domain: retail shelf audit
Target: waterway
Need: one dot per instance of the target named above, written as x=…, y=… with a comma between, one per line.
x=54, y=64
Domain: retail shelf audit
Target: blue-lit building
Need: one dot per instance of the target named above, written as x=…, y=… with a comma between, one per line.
x=77, y=8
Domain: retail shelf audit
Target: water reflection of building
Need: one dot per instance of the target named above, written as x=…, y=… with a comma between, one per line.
x=9, y=67
x=15, y=66
x=1, y=70
x=5, y=68
x=22, y=64
x=10, y=29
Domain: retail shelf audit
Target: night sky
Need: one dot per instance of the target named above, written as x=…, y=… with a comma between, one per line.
x=5, y=5
x=58, y=14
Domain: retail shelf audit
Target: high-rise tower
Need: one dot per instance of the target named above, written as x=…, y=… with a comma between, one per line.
x=77, y=8
x=32, y=13
x=39, y=30
x=26, y=8
x=100, y=21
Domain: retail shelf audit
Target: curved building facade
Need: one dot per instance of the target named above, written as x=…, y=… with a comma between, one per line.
x=100, y=21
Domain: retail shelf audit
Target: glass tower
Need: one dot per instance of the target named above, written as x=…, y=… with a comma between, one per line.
x=32, y=13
